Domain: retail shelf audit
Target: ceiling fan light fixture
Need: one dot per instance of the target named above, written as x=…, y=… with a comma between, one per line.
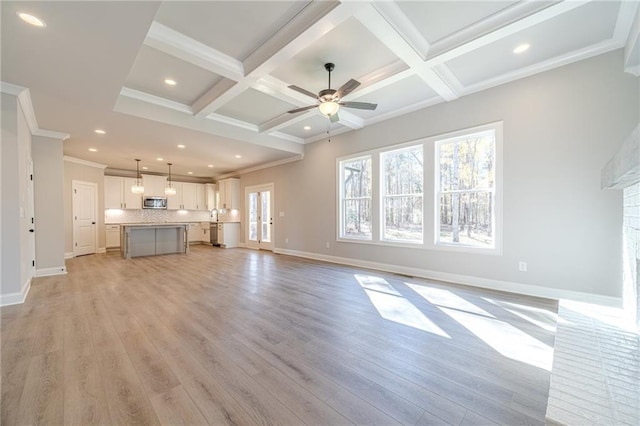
x=329, y=108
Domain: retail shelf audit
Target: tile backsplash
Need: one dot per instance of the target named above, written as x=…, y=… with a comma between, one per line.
x=150, y=215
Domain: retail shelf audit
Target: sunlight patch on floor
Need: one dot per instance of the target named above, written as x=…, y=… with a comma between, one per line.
x=392, y=306
x=506, y=339
x=446, y=299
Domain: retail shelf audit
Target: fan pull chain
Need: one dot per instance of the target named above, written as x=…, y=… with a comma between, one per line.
x=328, y=129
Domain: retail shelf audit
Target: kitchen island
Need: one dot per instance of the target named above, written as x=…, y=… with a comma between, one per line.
x=151, y=239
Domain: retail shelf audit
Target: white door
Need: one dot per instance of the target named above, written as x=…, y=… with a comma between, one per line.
x=260, y=217
x=85, y=207
x=31, y=238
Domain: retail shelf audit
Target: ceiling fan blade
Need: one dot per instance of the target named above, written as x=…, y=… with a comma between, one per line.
x=359, y=105
x=347, y=88
x=293, y=111
x=303, y=91
x=334, y=117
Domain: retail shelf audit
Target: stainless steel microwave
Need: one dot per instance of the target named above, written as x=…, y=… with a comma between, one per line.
x=154, y=203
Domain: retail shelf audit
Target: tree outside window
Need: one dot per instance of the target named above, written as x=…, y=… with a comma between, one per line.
x=466, y=190
x=355, y=176
x=402, y=189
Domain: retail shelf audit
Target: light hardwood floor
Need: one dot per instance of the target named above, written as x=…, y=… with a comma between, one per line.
x=245, y=337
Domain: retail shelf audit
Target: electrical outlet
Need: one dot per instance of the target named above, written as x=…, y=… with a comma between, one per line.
x=281, y=214
x=522, y=266
x=327, y=244
x=286, y=241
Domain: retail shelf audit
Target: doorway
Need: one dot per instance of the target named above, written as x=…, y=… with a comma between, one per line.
x=85, y=213
x=259, y=202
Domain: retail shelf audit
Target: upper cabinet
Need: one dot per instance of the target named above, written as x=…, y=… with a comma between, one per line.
x=210, y=190
x=229, y=194
x=154, y=185
x=118, y=195
x=189, y=196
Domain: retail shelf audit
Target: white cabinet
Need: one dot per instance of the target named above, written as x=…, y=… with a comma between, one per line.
x=118, y=195
x=201, y=201
x=154, y=185
x=228, y=234
x=210, y=190
x=113, y=236
x=205, y=234
x=189, y=196
x=194, y=233
x=229, y=194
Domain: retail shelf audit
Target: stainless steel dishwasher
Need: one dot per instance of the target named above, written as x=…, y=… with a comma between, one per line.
x=213, y=233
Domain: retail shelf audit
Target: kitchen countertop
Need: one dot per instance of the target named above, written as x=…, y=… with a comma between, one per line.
x=155, y=224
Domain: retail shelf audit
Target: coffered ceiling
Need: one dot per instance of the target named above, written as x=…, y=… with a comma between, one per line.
x=103, y=65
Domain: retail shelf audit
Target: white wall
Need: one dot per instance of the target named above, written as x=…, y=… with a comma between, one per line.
x=17, y=253
x=49, y=207
x=560, y=128
x=75, y=171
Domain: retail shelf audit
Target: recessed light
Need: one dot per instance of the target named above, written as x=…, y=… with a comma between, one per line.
x=100, y=131
x=307, y=127
x=238, y=156
x=521, y=48
x=170, y=81
x=210, y=166
x=160, y=159
x=189, y=173
x=93, y=150
x=33, y=20
x=181, y=146
x=145, y=168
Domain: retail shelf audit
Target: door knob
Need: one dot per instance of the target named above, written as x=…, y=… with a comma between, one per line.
x=32, y=230
x=93, y=223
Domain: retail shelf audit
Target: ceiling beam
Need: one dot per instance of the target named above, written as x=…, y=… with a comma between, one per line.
x=218, y=95
x=550, y=12
x=179, y=45
x=217, y=128
x=283, y=120
x=313, y=22
x=380, y=27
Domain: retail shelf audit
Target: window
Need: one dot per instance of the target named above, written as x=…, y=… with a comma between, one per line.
x=355, y=205
x=466, y=191
x=386, y=196
x=402, y=183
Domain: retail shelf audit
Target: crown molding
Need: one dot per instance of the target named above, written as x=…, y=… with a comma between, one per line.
x=558, y=61
x=51, y=134
x=261, y=167
x=155, y=100
x=84, y=162
x=24, y=98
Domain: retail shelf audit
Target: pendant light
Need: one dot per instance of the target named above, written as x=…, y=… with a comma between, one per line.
x=137, y=188
x=169, y=190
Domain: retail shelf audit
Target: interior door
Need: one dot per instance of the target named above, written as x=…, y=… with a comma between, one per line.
x=260, y=217
x=85, y=208
x=31, y=238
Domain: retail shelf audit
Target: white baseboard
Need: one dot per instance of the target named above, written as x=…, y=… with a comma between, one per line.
x=18, y=297
x=242, y=245
x=487, y=283
x=68, y=255
x=102, y=250
x=46, y=272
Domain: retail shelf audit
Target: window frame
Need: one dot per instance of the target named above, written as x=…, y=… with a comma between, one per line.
x=381, y=202
x=496, y=128
x=341, y=206
x=430, y=222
